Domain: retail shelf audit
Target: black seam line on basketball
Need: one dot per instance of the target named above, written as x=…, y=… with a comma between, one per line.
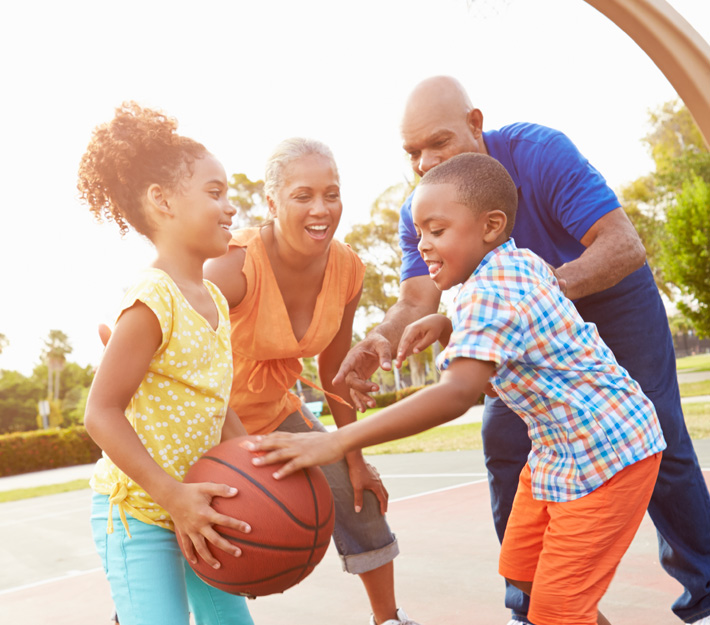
x=265, y=491
x=242, y=541
x=304, y=573
x=251, y=582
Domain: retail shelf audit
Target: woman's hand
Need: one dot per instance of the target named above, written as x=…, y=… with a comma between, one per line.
x=419, y=335
x=190, y=507
x=363, y=476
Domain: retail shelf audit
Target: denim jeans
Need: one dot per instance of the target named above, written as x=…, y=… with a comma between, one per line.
x=363, y=539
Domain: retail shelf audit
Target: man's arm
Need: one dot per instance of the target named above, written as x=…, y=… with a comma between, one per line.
x=614, y=250
x=418, y=297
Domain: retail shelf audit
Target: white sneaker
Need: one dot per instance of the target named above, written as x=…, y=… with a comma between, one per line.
x=515, y=622
x=402, y=619
x=703, y=621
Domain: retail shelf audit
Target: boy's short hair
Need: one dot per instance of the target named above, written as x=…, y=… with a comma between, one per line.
x=482, y=183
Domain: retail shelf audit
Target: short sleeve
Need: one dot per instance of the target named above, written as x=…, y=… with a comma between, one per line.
x=153, y=291
x=486, y=328
x=576, y=192
x=412, y=263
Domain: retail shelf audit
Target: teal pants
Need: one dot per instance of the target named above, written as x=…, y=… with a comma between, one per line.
x=151, y=582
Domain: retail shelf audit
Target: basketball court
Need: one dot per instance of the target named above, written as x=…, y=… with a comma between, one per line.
x=446, y=573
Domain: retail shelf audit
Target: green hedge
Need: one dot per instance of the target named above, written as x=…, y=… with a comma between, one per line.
x=24, y=452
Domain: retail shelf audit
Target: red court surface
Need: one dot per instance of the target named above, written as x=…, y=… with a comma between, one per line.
x=446, y=573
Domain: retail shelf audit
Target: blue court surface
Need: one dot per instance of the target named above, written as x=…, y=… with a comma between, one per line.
x=446, y=573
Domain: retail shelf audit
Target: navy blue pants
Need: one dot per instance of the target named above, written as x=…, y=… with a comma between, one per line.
x=680, y=505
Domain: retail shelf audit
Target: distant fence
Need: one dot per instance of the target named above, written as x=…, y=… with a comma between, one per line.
x=688, y=344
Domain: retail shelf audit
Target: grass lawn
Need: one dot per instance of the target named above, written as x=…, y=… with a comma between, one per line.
x=456, y=437
x=700, y=362
x=39, y=491
x=693, y=389
x=697, y=418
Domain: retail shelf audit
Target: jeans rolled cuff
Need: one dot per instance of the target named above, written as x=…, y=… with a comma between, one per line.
x=369, y=561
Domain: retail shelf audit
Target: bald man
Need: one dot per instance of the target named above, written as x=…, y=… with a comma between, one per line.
x=568, y=215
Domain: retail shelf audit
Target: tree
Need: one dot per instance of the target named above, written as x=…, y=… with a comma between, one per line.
x=377, y=244
x=56, y=348
x=678, y=151
x=249, y=199
x=3, y=342
x=19, y=397
x=686, y=251
x=674, y=137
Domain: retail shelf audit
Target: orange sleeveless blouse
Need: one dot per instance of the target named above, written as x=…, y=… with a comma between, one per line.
x=265, y=351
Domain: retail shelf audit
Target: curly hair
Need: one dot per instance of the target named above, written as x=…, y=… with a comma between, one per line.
x=137, y=148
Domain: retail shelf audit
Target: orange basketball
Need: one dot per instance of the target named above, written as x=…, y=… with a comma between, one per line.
x=291, y=522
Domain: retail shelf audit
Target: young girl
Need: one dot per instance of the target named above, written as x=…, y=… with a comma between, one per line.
x=292, y=292
x=159, y=397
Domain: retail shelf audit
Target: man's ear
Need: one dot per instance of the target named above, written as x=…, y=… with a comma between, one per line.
x=474, y=119
x=496, y=221
x=157, y=199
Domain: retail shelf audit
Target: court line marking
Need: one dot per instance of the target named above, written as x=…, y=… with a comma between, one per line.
x=40, y=517
x=51, y=580
x=71, y=574
x=438, y=490
x=400, y=475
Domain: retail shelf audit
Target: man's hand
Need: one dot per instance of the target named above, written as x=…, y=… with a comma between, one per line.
x=561, y=282
x=359, y=364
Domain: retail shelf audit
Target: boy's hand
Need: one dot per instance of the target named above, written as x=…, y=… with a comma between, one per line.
x=419, y=335
x=300, y=450
x=194, y=518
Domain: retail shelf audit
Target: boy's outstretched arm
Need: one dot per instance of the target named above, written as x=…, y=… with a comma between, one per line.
x=460, y=387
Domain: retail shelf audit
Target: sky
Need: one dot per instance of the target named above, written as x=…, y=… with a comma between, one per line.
x=240, y=77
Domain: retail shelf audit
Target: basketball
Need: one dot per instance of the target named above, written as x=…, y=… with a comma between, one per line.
x=291, y=522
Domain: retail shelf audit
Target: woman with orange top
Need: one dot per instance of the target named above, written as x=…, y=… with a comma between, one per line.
x=292, y=293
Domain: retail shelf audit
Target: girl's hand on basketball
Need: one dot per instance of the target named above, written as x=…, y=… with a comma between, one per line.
x=363, y=476
x=298, y=451
x=194, y=518
x=419, y=335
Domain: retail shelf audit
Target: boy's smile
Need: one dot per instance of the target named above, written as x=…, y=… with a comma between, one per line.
x=454, y=237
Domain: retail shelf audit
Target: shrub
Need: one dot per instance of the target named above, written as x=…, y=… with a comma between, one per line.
x=24, y=452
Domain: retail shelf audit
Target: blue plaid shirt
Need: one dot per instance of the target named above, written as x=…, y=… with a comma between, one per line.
x=586, y=417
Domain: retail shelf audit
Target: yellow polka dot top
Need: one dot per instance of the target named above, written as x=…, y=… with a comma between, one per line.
x=179, y=408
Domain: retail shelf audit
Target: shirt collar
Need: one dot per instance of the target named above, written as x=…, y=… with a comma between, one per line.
x=508, y=246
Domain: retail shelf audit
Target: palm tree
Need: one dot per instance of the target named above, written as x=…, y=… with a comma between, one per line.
x=56, y=347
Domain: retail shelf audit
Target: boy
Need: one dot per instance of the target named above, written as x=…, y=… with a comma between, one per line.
x=596, y=441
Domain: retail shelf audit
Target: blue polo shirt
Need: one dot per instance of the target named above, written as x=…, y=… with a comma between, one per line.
x=560, y=196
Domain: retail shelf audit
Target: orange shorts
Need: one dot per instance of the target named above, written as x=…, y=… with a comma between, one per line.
x=570, y=550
